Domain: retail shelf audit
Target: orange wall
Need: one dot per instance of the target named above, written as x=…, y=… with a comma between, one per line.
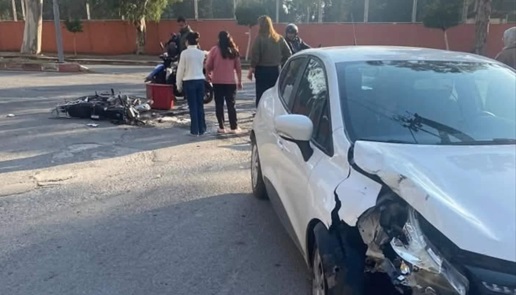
x=118, y=37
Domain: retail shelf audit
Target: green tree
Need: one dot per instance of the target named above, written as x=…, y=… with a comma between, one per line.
x=344, y=11
x=443, y=15
x=5, y=10
x=138, y=11
x=74, y=26
x=391, y=10
x=303, y=10
x=482, y=19
x=247, y=14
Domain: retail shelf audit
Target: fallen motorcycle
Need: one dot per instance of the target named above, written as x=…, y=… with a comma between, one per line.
x=118, y=108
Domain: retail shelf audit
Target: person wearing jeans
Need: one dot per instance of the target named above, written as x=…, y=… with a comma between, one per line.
x=190, y=77
x=222, y=64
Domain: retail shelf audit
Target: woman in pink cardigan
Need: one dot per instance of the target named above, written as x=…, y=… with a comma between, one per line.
x=222, y=64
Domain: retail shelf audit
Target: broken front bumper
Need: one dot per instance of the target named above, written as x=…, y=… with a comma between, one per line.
x=420, y=266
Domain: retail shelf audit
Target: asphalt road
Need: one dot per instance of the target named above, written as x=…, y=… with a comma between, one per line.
x=130, y=210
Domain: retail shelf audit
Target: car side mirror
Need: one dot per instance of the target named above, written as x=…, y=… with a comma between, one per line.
x=297, y=129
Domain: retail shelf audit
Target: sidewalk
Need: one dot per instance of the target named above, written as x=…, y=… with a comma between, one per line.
x=39, y=65
x=129, y=59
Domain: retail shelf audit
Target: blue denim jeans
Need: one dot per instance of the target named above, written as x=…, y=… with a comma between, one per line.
x=194, y=92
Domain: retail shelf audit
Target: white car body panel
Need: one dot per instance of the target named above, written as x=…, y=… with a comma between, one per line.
x=467, y=193
x=305, y=198
x=339, y=54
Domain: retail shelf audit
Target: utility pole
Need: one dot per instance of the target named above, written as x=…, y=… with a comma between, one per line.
x=59, y=37
x=234, y=8
x=88, y=14
x=320, y=11
x=366, y=11
x=277, y=10
x=414, y=11
x=196, y=9
x=15, y=13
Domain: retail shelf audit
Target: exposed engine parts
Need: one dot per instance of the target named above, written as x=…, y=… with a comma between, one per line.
x=396, y=246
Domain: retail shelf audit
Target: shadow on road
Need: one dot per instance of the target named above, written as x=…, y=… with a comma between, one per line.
x=195, y=247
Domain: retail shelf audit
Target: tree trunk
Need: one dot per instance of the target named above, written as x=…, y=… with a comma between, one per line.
x=446, y=43
x=75, y=44
x=320, y=11
x=465, y=6
x=248, y=44
x=23, y=8
x=15, y=13
x=33, y=27
x=482, y=25
x=141, y=30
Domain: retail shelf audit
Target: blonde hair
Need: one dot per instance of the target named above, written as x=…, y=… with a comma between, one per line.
x=267, y=29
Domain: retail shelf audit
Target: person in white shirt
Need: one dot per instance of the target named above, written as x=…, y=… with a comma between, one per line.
x=190, y=76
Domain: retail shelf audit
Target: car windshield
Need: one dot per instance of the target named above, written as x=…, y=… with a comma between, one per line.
x=428, y=102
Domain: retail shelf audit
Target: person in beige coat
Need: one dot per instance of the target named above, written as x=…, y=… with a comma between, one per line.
x=508, y=54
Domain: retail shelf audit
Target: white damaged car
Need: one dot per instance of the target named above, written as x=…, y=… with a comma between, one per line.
x=394, y=163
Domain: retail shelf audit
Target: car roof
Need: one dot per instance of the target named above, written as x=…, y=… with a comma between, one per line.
x=368, y=53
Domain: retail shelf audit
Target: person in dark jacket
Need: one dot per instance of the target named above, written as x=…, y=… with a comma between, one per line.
x=172, y=46
x=184, y=30
x=295, y=43
x=508, y=54
x=269, y=52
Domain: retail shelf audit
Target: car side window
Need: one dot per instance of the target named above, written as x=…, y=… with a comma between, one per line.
x=312, y=101
x=322, y=132
x=288, y=79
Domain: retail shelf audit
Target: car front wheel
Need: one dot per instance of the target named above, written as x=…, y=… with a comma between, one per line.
x=319, y=286
x=337, y=267
x=256, y=175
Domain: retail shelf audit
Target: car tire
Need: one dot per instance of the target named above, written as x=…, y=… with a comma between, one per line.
x=319, y=283
x=257, y=182
x=331, y=253
x=208, y=92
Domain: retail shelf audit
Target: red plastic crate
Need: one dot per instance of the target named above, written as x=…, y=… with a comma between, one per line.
x=162, y=96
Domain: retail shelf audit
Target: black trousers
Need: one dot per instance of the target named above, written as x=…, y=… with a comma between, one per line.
x=227, y=93
x=265, y=78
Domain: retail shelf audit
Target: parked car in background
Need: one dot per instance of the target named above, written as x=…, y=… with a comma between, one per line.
x=393, y=161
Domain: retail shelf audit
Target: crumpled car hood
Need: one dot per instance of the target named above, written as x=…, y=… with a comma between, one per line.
x=467, y=192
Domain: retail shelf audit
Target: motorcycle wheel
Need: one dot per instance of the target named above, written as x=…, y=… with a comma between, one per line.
x=208, y=92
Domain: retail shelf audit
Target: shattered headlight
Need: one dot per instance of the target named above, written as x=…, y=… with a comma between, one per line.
x=427, y=270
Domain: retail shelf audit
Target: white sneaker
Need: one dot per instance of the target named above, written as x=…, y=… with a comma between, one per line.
x=236, y=131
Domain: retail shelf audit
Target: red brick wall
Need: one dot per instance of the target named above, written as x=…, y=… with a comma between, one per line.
x=118, y=37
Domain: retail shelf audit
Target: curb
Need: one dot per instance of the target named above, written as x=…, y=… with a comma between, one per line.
x=44, y=67
x=116, y=62
x=129, y=62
